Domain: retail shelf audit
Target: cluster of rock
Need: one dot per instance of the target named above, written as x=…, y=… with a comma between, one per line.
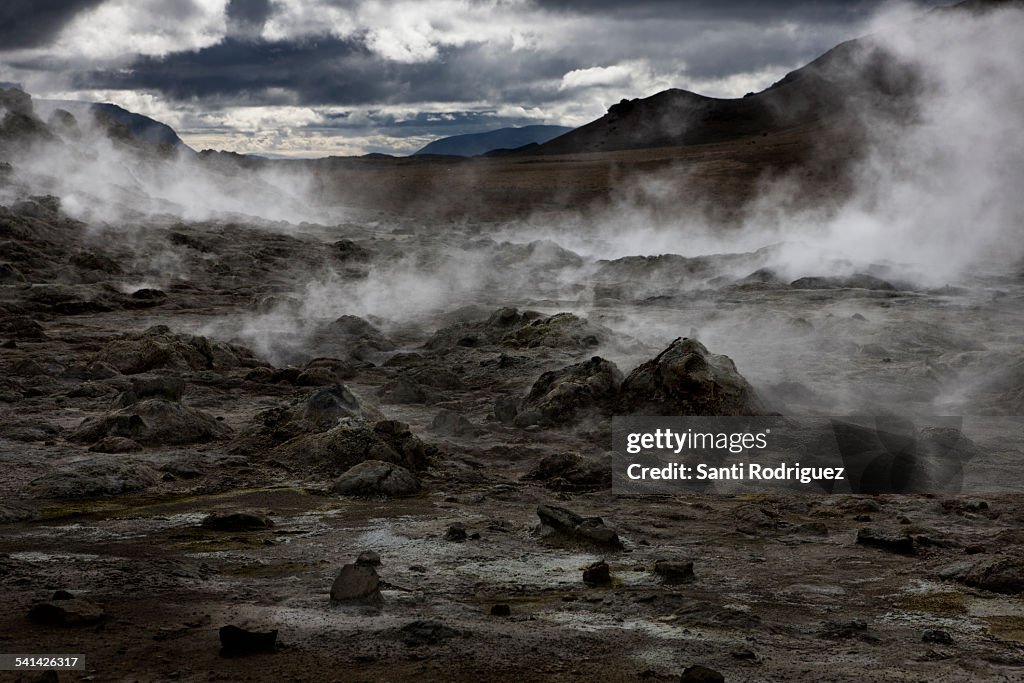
x=684, y=379
x=330, y=431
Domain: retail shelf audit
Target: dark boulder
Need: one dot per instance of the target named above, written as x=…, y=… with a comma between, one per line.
x=560, y=524
x=376, y=478
x=561, y=396
x=357, y=584
x=153, y=422
x=235, y=641
x=999, y=575
x=686, y=379
x=237, y=521
x=597, y=574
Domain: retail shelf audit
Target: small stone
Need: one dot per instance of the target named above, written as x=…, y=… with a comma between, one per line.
x=501, y=610
x=237, y=521
x=456, y=533
x=597, y=574
x=893, y=542
x=674, y=571
x=934, y=635
x=700, y=674
x=368, y=558
x=62, y=595
x=418, y=633
x=66, y=612
x=239, y=641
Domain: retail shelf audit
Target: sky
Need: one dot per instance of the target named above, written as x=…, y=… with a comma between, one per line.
x=346, y=77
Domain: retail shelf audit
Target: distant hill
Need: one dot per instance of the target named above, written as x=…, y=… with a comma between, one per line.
x=857, y=71
x=119, y=122
x=475, y=144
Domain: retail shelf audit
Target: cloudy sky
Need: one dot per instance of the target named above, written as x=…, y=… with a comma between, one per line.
x=319, y=77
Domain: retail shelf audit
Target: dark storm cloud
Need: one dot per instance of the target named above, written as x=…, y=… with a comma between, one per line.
x=714, y=10
x=246, y=18
x=29, y=23
x=332, y=71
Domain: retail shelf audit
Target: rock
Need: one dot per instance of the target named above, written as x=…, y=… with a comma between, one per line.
x=21, y=327
x=450, y=423
x=561, y=524
x=597, y=574
x=167, y=388
x=153, y=422
x=501, y=610
x=855, y=281
x=237, y=521
x=855, y=629
x=560, y=331
x=674, y=571
x=357, y=583
x=934, y=635
x=376, y=478
x=419, y=633
x=235, y=640
x=505, y=409
x=700, y=674
x=324, y=408
x=571, y=472
x=404, y=390
x=368, y=558
x=115, y=444
x=456, y=533
x=159, y=348
x=66, y=612
x=892, y=541
x=998, y=574
x=92, y=478
x=560, y=396
x=9, y=274
x=340, y=448
x=685, y=379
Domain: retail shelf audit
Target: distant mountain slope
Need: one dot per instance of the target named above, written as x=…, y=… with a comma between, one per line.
x=119, y=122
x=475, y=144
x=858, y=71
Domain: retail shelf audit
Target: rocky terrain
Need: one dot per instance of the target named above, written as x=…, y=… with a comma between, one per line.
x=259, y=422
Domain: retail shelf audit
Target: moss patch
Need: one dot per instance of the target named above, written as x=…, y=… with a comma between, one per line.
x=945, y=603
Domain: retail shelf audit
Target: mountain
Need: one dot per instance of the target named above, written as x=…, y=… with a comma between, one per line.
x=858, y=71
x=119, y=123
x=475, y=144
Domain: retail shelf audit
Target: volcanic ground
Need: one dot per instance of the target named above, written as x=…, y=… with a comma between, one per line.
x=388, y=441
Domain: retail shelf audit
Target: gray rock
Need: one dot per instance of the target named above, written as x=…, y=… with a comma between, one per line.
x=92, y=478
x=153, y=422
x=560, y=524
x=377, y=478
x=357, y=583
x=999, y=575
x=560, y=396
x=450, y=423
x=686, y=379
x=892, y=541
